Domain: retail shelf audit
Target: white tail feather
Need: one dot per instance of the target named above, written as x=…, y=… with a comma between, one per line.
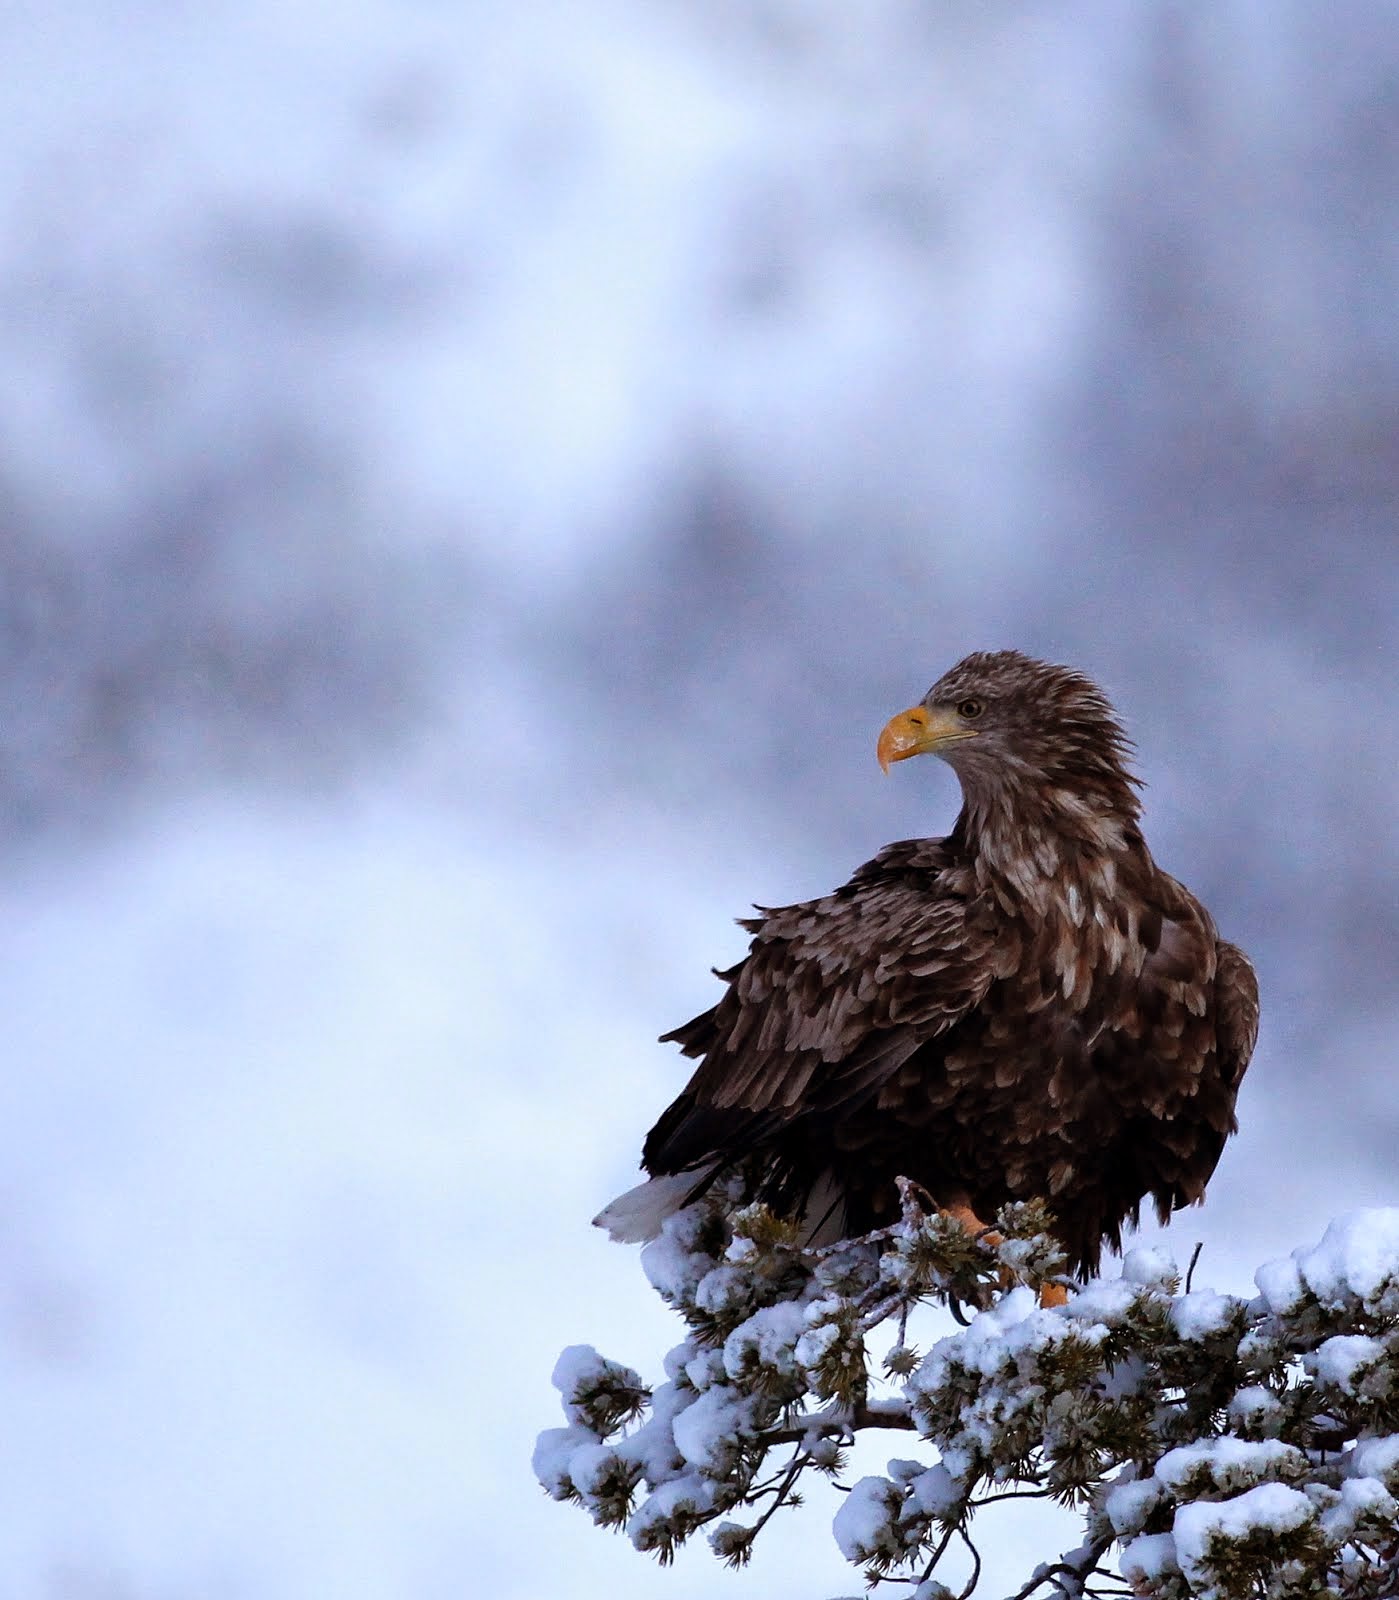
x=637, y=1215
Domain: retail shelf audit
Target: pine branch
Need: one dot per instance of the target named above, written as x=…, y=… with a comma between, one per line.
x=1216, y=1447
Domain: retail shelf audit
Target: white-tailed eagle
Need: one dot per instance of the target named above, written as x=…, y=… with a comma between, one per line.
x=1029, y=1008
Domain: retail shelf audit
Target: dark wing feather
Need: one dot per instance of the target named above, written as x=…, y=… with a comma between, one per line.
x=1236, y=1021
x=1198, y=1139
x=832, y=997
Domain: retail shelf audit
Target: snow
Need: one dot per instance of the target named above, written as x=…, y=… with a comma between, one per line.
x=1227, y=1465
x=935, y=1490
x=552, y=1460
x=722, y=1290
x=707, y=1433
x=1341, y=1362
x=1268, y=1511
x=580, y=1368
x=1130, y=1501
x=1151, y=1266
x=1280, y=1285
x=1149, y=1558
x=690, y=1492
x=768, y=1338
x=1363, y=1503
x=1203, y=1313
x=1230, y=1498
x=1103, y=1301
x=1377, y=1458
x=594, y=1469
x=651, y=1447
x=1357, y=1259
x=816, y=1343
x=670, y=1262
x=705, y=1369
x=1006, y=1338
x=985, y=1346
x=1255, y=1408
x=867, y=1521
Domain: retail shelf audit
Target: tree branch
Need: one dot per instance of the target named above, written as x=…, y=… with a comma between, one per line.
x=1077, y=1567
x=869, y=1414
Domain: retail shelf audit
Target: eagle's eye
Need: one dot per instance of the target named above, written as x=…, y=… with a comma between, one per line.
x=969, y=709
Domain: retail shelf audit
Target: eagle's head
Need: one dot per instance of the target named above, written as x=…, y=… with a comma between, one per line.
x=1019, y=732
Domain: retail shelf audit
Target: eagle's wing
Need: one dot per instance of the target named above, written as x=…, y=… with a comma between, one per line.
x=1183, y=1150
x=1236, y=1020
x=832, y=997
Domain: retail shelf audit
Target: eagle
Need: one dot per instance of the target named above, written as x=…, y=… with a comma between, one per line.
x=1028, y=1008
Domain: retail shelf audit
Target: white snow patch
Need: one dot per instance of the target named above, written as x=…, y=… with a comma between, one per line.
x=672, y=1265
x=936, y=1490
x=1151, y=1266
x=1129, y=1503
x=1361, y=1501
x=1270, y=1510
x=578, y=1367
x=707, y=1433
x=866, y=1524
x=688, y=1493
x=1148, y=1559
x=1280, y=1283
x=768, y=1337
x=722, y=1289
x=553, y=1454
x=652, y=1446
x=1104, y=1300
x=1341, y=1362
x=1227, y=1465
x=1203, y=1313
x=705, y=1369
x=1376, y=1458
x=1255, y=1407
x=592, y=1468
x=1356, y=1259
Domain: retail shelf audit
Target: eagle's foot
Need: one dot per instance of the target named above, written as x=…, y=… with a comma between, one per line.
x=973, y=1224
x=1051, y=1294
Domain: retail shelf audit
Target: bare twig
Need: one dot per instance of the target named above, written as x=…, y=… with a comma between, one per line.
x=1194, y=1257
x=1076, y=1567
x=794, y=1467
x=937, y=1554
x=976, y=1564
x=1015, y=1494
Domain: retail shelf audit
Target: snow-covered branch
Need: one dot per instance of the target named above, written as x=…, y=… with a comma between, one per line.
x=1215, y=1446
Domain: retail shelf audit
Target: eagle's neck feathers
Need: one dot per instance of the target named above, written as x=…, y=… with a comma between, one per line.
x=1059, y=857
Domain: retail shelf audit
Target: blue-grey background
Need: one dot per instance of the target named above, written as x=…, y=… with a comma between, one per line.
x=474, y=479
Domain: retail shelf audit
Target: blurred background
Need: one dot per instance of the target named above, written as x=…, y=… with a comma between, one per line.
x=473, y=482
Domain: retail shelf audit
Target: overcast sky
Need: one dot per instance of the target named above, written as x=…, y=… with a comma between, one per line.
x=475, y=480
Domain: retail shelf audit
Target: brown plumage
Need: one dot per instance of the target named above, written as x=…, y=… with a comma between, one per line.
x=1028, y=1008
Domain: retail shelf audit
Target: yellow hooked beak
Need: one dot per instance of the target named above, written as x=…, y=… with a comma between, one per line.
x=918, y=732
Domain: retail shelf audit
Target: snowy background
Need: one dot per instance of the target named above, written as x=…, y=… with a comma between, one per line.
x=475, y=479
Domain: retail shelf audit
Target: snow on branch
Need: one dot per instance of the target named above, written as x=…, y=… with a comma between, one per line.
x=1214, y=1446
